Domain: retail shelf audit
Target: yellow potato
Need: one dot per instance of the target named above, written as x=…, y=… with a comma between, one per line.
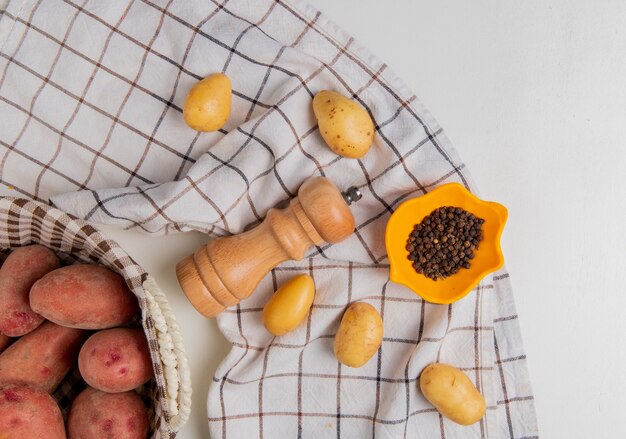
x=359, y=335
x=345, y=126
x=207, y=106
x=452, y=393
x=289, y=305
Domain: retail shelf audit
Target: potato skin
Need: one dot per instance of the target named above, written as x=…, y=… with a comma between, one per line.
x=99, y=415
x=207, y=105
x=23, y=267
x=359, y=335
x=41, y=358
x=345, y=126
x=289, y=305
x=115, y=360
x=27, y=412
x=452, y=393
x=83, y=296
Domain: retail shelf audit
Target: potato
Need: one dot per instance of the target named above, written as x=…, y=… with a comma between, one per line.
x=207, y=106
x=99, y=415
x=116, y=360
x=452, y=393
x=83, y=296
x=23, y=267
x=27, y=412
x=42, y=358
x=344, y=125
x=5, y=342
x=359, y=335
x=289, y=305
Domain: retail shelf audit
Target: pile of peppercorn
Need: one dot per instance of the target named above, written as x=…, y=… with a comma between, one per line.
x=444, y=242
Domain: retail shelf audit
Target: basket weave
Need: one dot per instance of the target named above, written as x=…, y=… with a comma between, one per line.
x=24, y=222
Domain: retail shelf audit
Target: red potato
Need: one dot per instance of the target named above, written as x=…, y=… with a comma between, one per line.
x=99, y=415
x=116, y=360
x=23, y=267
x=83, y=296
x=5, y=342
x=27, y=412
x=41, y=358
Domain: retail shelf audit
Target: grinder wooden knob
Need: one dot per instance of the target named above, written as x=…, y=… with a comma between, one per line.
x=227, y=270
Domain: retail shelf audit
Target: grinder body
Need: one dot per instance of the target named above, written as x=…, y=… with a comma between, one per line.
x=228, y=269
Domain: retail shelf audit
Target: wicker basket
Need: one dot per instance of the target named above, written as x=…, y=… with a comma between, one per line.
x=24, y=222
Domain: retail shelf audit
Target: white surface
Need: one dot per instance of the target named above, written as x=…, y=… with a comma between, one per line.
x=533, y=95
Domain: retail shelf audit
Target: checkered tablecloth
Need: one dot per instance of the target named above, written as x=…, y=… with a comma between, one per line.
x=90, y=97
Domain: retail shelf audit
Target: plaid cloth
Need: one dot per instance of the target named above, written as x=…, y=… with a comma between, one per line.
x=91, y=95
x=24, y=222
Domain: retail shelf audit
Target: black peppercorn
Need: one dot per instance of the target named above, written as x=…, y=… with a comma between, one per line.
x=444, y=242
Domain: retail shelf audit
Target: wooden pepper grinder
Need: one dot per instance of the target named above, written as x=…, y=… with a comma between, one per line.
x=227, y=270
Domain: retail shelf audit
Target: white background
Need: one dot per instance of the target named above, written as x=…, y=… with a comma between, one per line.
x=533, y=95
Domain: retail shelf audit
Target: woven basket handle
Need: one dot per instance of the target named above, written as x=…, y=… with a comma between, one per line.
x=172, y=352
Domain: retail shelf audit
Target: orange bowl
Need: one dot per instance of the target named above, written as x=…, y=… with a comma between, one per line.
x=487, y=257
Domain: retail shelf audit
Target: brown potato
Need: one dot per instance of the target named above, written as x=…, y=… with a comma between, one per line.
x=83, y=296
x=27, y=412
x=23, y=267
x=359, y=335
x=42, y=358
x=99, y=415
x=344, y=125
x=115, y=360
x=452, y=393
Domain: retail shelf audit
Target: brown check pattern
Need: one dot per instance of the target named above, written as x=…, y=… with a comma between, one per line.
x=91, y=95
x=24, y=222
